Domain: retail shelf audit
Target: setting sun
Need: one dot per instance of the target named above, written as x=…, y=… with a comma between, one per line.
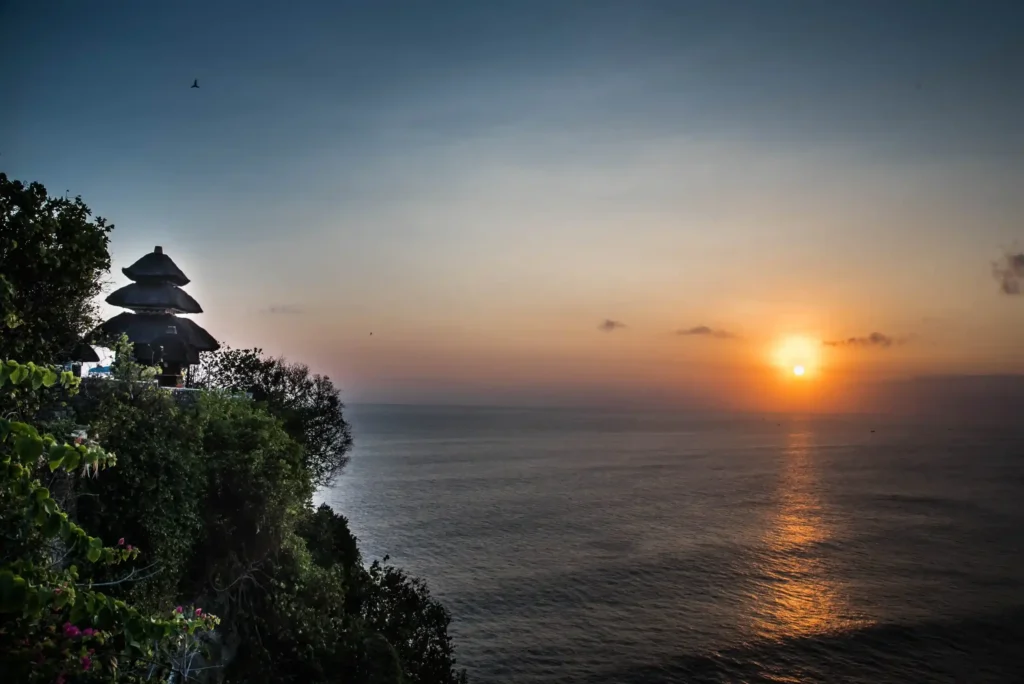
x=797, y=355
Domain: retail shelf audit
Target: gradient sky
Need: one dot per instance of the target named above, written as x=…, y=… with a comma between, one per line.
x=482, y=184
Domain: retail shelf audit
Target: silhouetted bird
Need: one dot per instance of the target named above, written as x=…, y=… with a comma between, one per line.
x=195, y=83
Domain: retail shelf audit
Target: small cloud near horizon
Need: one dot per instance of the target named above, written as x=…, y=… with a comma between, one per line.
x=609, y=325
x=282, y=310
x=1009, y=271
x=875, y=339
x=705, y=331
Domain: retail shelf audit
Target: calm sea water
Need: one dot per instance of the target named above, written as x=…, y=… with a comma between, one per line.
x=615, y=547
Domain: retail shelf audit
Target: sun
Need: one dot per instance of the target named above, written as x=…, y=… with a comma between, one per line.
x=797, y=356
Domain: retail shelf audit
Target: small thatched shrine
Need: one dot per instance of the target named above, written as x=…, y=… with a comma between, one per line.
x=161, y=337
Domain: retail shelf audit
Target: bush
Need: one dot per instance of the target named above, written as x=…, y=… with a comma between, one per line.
x=52, y=624
x=156, y=495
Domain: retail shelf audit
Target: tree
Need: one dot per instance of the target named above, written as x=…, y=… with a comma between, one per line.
x=53, y=255
x=308, y=405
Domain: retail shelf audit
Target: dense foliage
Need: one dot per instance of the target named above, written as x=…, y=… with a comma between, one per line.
x=228, y=509
x=215, y=485
x=307, y=404
x=52, y=257
x=53, y=623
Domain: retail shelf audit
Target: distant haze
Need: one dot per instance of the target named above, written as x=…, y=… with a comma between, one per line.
x=525, y=202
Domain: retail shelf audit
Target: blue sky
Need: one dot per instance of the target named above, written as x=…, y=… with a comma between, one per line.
x=482, y=183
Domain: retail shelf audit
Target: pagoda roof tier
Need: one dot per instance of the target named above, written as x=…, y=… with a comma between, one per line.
x=156, y=267
x=163, y=297
x=84, y=353
x=156, y=329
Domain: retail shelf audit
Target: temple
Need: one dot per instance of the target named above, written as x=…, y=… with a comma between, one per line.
x=161, y=337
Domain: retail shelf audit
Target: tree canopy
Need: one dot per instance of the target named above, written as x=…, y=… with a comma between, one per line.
x=307, y=404
x=53, y=255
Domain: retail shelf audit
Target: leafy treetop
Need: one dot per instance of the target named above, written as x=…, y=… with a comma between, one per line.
x=54, y=255
x=308, y=405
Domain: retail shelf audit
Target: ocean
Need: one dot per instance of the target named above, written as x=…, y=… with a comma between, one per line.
x=603, y=546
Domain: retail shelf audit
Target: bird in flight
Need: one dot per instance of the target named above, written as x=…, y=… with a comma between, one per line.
x=195, y=83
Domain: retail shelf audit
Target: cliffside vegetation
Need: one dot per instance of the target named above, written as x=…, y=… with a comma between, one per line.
x=208, y=511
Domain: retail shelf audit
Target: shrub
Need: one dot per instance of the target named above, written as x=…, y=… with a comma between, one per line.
x=52, y=624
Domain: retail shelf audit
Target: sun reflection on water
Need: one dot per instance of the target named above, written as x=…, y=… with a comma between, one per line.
x=798, y=594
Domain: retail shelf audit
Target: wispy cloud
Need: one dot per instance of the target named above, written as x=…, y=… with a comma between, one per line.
x=875, y=339
x=1009, y=272
x=705, y=331
x=610, y=326
x=282, y=310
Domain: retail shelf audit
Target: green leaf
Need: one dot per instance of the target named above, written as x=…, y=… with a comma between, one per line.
x=37, y=378
x=29, y=449
x=95, y=549
x=19, y=374
x=56, y=458
x=71, y=459
x=49, y=378
x=52, y=525
x=13, y=592
x=24, y=430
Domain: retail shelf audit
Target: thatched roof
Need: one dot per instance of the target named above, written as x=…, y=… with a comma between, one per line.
x=152, y=329
x=156, y=267
x=162, y=296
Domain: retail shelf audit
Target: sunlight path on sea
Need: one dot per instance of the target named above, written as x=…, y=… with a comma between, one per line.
x=797, y=593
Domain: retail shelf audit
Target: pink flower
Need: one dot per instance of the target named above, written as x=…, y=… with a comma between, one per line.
x=88, y=631
x=58, y=591
x=70, y=630
x=120, y=542
x=129, y=547
x=86, y=663
x=178, y=610
x=199, y=611
x=61, y=679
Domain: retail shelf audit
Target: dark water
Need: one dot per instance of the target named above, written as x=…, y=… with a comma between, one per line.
x=604, y=547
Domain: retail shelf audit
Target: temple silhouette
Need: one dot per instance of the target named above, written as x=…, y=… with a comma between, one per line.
x=160, y=336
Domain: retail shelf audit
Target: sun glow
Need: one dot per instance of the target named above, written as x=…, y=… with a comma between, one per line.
x=797, y=356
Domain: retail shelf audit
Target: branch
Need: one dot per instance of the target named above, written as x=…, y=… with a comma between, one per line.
x=130, y=577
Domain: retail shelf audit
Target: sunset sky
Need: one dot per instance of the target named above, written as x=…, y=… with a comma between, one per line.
x=528, y=201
